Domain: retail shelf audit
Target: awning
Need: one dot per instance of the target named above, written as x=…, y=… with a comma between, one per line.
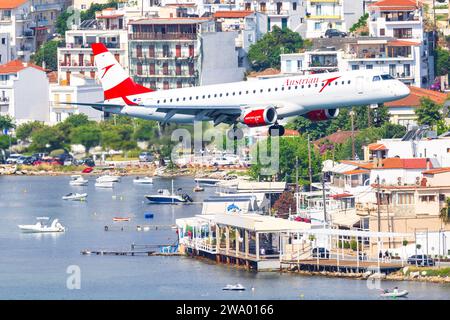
x=345, y=220
x=341, y=195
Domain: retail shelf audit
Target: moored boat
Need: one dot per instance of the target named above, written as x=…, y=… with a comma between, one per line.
x=207, y=182
x=144, y=180
x=78, y=180
x=108, y=178
x=394, y=293
x=121, y=219
x=75, y=196
x=234, y=287
x=104, y=184
x=40, y=227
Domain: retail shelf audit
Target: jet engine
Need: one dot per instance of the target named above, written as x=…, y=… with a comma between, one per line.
x=322, y=114
x=259, y=117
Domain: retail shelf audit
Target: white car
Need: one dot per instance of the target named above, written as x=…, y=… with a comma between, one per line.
x=13, y=157
x=223, y=161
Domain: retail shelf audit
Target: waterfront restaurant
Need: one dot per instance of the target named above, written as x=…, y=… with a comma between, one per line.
x=269, y=243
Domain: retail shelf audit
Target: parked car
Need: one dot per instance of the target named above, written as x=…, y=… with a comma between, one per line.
x=145, y=157
x=40, y=155
x=21, y=159
x=421, y=260
x=88, y=162
x=322, y=252
x=13, y=157
x=330, y=33
x=223, y=161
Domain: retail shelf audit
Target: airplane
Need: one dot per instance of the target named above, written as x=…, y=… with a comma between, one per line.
x=318, y=97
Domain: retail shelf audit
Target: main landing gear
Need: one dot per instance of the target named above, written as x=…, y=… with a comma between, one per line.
x=235, y=133
x=276, y=130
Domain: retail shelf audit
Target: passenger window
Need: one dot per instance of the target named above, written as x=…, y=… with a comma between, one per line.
x=246, y=92
x=234, y=93
x=184, y=98
x=303, y=86
x=157, y=102
x=261, y=90
x=276, y=89
x=164, y=100
x=309, y=86
x=296, y=87
x=348, y=81
x=268, y=90
x=254, y=91
x=215, y=95
x=315, y=85
x=190, y=98
x=343, y=82
x=226, y=94
x=240, y=92
x=196, y=98
x=209, y=96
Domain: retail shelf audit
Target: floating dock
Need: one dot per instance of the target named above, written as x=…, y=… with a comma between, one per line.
x=138, y=250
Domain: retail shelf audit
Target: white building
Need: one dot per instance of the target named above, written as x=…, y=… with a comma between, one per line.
x=282, y=13
x=181, y=52
x=250, y=27
x=404, y=20
x=5, y=50
x=77, y=58
x=23, y=92
x=322, y=15
x=16, y=21
x=81, y=89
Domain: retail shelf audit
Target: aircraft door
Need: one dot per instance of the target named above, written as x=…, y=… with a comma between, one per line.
x=360, y=84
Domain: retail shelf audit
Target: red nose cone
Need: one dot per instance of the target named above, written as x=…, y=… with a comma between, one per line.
x=98, y=48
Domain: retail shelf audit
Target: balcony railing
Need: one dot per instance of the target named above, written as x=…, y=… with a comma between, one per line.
x=144, y=57
x=75, y=64
x=277, y=12
x=165, y=36
x=323, y=17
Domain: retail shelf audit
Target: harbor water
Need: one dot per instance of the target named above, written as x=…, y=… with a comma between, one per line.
x=35, y=266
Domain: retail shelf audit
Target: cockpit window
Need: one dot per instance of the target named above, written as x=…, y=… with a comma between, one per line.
x=376, y=78
x=386, y=77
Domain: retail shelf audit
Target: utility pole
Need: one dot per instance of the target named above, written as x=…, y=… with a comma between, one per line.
x=369, y=120
x=352, y=114
x=378, y=203
x=309, y=164
x=296, y=175
x=324, y=200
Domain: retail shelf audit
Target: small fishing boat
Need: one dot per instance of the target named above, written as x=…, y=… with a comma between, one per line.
x=197, y=188
x=104, y=184
x=121, y=219
x=108, y=178
x=394, y=293
x=77, y=180
x=144, y=180
x=40, y=227
x=234, y=287
x=75, y=196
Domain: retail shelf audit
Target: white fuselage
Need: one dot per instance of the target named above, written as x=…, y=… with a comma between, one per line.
x=291, y=96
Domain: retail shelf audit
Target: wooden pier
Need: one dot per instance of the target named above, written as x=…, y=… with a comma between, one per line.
x=138, y=250
x=345, y=266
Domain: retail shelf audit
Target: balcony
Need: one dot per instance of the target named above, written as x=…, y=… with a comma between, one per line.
x=75, y=65
x=165, y=36
x=48, y=6
x=26, y=34
x=170, y=56
x=323, y=17
x=277, y=12
x=161, y=74
x=23, y=17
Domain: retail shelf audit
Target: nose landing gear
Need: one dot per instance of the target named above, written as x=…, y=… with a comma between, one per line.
x=276, y=130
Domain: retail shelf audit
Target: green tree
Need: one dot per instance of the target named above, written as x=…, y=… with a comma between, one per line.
x=46, y=139
x=290, y=148
x=442, y=58
x=88, y=135
x=145, y=130
x=48, y=54
x=5, y=140
x=362, y=22
x=71, y=122
x=429, y=113
x=89, y=14
x=6, y=122
x=265, y=53
x=24, y=131
x=118, y=137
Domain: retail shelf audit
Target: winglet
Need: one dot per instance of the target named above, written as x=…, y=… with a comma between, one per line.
x=98, y=48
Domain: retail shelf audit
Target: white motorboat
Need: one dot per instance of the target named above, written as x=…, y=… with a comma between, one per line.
x=144, y=180
x=234, y=287
x=56, y=226
x=207, y=182
x=104, y=184
x=164, y=196
x=394, y=293
x=75, y=196
x=108, y=178
x=78, y=180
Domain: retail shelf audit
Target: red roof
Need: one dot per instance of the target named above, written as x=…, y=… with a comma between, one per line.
x=16, y=66
x=232, y=14
x=402, y=43
x=338, y=137
x=398, y=163
x=11, y=4
x=341, y=195
x=357, y=171
x=365, y=165
x=376, y=146
x=413, y=100
x=388, y=5
x=437, y=170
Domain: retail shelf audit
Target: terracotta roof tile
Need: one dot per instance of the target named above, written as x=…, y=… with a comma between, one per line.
x=16, y=66
x=386, y=5
x=376, y=146
x=357, y=171
x=437, y=170
x=232, y=14
x=11, y=4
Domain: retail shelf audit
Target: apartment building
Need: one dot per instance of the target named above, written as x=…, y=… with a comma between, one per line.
x=250, y=27
x=23, y=91
x=45, y=13
x=80, y=89
x=16, y=21
x=322, y=15
x=170, y=53
x=281, y=13
x=76, y=57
